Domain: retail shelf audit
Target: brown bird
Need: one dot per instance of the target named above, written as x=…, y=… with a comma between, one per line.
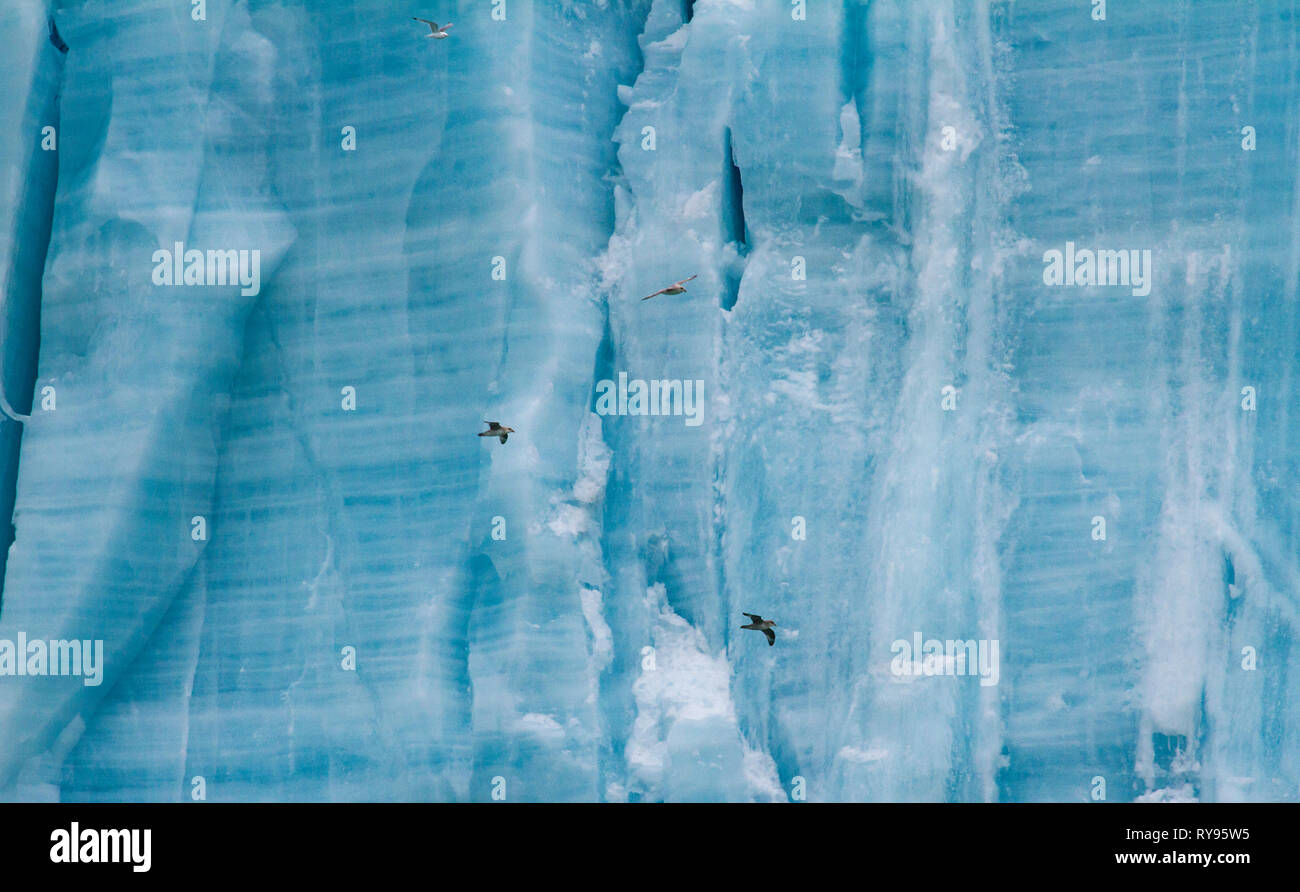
x=674, y=288
x=762, y=625
x=496, y=430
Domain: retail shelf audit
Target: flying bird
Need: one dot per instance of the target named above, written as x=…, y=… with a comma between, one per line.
x=762, y=625
x=674, y=288
x=496, y=430
x=435, y=30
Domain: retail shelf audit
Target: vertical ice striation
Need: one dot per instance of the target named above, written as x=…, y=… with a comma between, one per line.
x=369, y=529
x=111, y=478
x=314, y=582
x=29, y=135
x=847, y=297
x=1126, y=661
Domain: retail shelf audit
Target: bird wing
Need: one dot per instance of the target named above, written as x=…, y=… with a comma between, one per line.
x=684, y=281
x=656, y=294
x=755, y=617
x=771, y=637
x=446, y=26
x=492, y=425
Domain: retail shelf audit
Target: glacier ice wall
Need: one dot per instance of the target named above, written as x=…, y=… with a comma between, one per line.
x=27, y=128
x=314, y=583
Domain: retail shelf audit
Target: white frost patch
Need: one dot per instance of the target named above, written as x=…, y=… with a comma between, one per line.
x=674, y=41
x=602, y=639
x=569, y=520
x=687, y=683
x=800, y=387
x=612, y=265
x=761, y=776
x=862, y=757
x=541, y=725
x=626, y=96
x=1185, y=793
x=702, y=204
x=796, y=364
x=1177, y=611
x=848, y=154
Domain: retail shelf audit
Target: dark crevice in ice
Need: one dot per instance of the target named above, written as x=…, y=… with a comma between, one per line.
x=1230, y=596
x=734, y=230
x=603, y=368
x=55, y=38
x=688, y=11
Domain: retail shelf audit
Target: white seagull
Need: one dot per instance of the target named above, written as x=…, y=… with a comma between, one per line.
x=496, y=430
x=674, y=288
x=435, y=30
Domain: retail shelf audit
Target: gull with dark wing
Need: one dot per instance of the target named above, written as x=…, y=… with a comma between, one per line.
x=762, y=625
x=674, y=288
x=436, y=31
x=496, y=430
